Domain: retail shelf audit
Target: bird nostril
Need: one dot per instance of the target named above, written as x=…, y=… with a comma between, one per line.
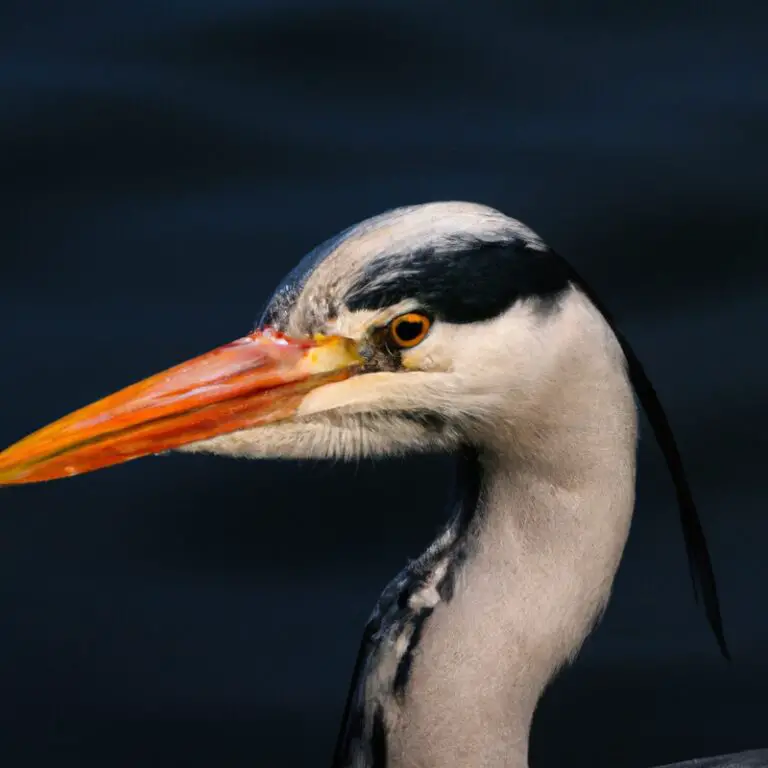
x=367, y=350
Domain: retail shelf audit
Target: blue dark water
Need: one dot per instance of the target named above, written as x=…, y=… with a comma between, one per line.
x=163, y=164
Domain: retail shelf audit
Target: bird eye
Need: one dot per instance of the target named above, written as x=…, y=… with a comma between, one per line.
x=409, y=330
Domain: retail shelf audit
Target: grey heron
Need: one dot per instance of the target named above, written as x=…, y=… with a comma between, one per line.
x=443, y=327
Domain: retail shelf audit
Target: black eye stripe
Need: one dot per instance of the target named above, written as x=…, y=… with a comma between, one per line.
x=474, y=283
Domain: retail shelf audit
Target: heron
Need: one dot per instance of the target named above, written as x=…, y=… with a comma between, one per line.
x=445, y=327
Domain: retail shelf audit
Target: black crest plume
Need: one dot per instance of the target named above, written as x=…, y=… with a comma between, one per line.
x=699, y=560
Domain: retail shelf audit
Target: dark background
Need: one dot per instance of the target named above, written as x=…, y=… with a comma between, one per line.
x=163, y=164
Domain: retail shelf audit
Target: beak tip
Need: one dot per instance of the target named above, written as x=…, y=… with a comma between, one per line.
x=9, y=478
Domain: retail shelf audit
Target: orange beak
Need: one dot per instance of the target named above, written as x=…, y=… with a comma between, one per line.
x=258, y=379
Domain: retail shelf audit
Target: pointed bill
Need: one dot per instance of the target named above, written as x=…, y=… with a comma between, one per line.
x=255, y=380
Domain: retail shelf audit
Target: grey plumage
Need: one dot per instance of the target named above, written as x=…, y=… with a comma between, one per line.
x=757, y=758
x=524, y=377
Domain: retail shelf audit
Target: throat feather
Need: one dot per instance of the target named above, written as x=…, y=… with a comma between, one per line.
x=394, y=631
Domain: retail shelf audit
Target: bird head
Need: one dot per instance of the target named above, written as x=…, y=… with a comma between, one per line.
x=417, y=330
x=426, y=328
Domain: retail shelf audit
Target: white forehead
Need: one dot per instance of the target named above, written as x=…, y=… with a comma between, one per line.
x=440, y=228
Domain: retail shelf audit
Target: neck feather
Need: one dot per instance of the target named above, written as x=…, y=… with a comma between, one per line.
x=543, y=523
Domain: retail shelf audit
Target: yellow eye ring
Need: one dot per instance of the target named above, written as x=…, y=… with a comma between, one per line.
x=409, y=330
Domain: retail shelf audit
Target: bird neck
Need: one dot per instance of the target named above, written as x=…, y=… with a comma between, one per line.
x=544, y=526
